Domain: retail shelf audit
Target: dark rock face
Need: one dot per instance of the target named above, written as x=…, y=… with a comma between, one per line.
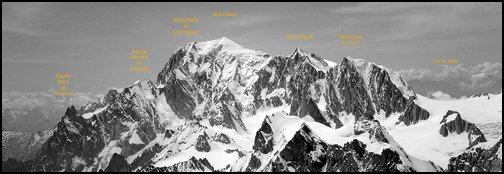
x=130, y=149
x=240, y=153
x=279, y=65
x=337, y=122
x=304, y=76
x=306, y=153
x=373, y=127
x=413, y=114
x=385, y=94
x=202, y=143
x=375, y=90
x=182, y=94
x=333, y=105
x=226, y=113
x=146, y=156
x=170, y=66
x=264, y=137
x=169, y=133
x=254, y=163
x=223, y=138
x=275, y=101
x=192, y=165
x=478, y=160
x=308, y=107
x=66, y=142
x=177, y=97
x=459, y=125
x=354, y=97
x=118, y=164
x=76, y=136
x=348, y=158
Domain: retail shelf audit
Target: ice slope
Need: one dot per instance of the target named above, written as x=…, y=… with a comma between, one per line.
x=478, y=110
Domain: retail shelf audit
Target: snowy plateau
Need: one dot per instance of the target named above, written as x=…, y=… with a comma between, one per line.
x=219, y=107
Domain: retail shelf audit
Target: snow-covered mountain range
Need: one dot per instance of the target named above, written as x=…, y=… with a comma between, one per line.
x=217, y=106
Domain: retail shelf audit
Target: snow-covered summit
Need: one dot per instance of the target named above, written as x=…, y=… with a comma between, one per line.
x=315, y=61
x=224, y=43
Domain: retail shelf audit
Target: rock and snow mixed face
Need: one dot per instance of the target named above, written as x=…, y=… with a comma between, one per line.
x=308, y=146
x=217, y=106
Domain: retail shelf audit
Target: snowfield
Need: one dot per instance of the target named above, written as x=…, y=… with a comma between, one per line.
x=423, y=139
